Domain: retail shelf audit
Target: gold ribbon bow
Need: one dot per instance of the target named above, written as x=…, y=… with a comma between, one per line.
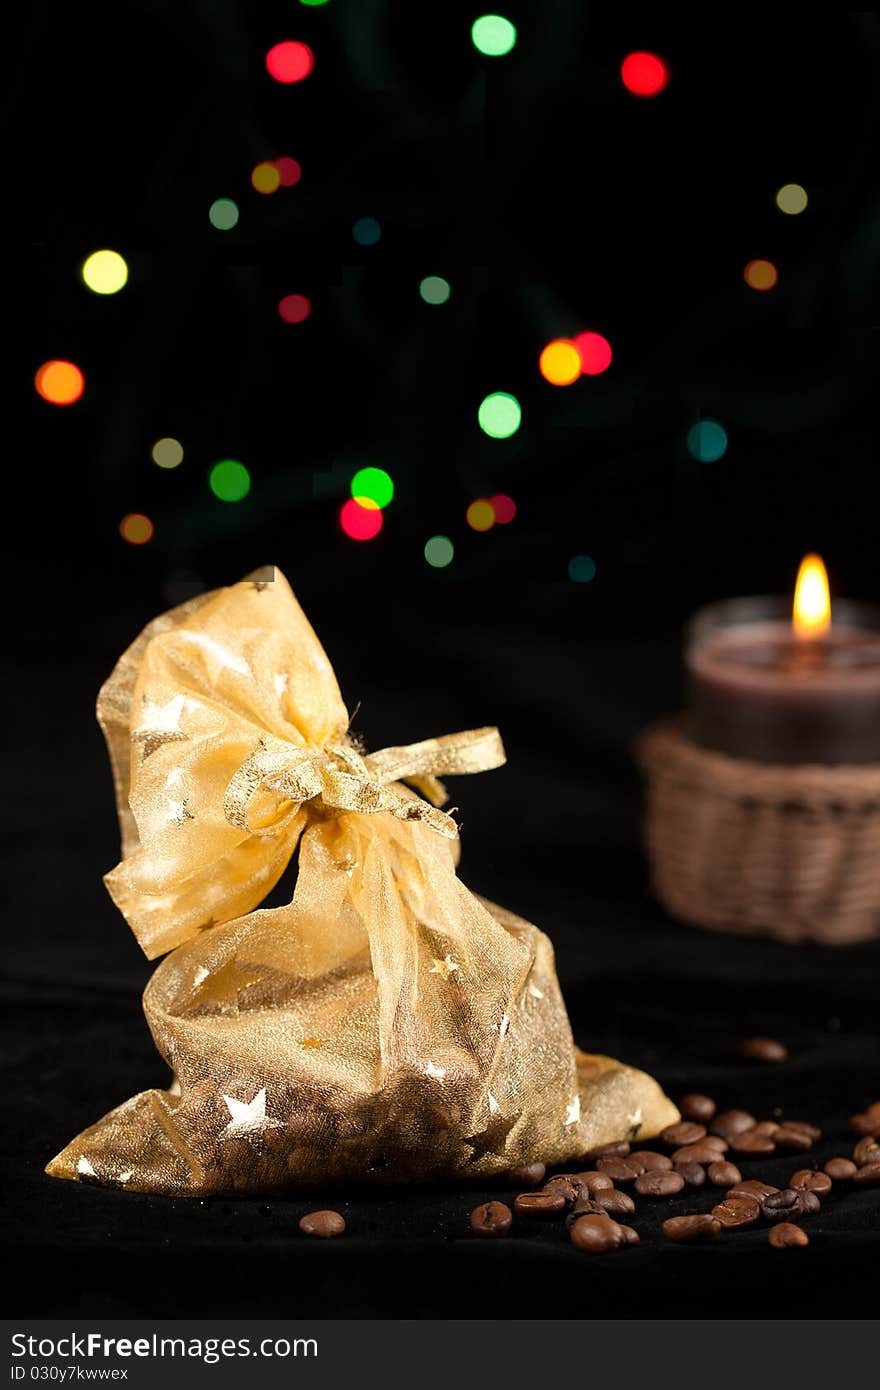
x=227, y=731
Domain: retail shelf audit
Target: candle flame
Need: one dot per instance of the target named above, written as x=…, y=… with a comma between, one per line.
x=811, y=616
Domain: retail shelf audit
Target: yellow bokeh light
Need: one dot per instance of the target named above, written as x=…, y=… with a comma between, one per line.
x=791, y=199
x=560, y=362
x=105, y=272
x=481, y=515
x=265, y=177
x=167, y=453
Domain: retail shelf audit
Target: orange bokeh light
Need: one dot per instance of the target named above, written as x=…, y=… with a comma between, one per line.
x=560, y=362
x=760, y=275
x=136, y=528
x=60, y=382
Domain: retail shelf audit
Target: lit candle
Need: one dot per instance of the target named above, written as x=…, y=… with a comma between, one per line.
x=782, y=685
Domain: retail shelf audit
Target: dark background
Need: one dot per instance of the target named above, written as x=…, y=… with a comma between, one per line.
x=553, y=201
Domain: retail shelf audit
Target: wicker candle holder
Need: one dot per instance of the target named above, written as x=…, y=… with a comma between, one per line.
x=781, y=850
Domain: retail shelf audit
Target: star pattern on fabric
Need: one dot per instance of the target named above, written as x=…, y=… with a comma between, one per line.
x=535, y=992
x=248, y=1118
x=501, y=1027
x=438, y=1073
x=634, y=1121
x=178, y=812
x=84, y=1167
x=572, y=1111
x=312, y=1044
x=280, y=681
x=160, y=724
x=445, y=967
x=493, y=1138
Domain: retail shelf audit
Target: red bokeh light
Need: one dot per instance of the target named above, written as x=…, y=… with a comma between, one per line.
x=294, y=308
x=289, y=171
x=359, y=522
x=504, y=508
x=644, y=74
x=594, y=352
x=290, y=61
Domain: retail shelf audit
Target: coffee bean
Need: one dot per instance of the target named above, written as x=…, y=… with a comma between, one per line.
x=769, y=1128
x=692, y=1228
x=752, y=1187
x=617, y=1169
x=865, y=1124
x=794, y=1140
x=749, y=1141
x=529, y=1175
x=697, y=1108
x=741, y=1210
x=762, y=1050
x=539, y=1203
x=779, y=1206
x=724, y=1174
x=786, y=1236
x=491, y=1219
x=614, y=1203
x=584, y=1206
x=873, y=1111
x=630, y=1237
x=565, y=1185
x=869, y=1176
x=324, y=1224
x=840, y=1169
x=594, y=1180
x=620, y=1149
x=701, y=1152
x=867, y=1150
x=808, y=1202
x=687, y=1132
x=731, y=1122
x=648, y=1161
x=596, y=1235
x=803, y=1127
x=810, y=1179
x=659, y=1182
x=694, y=1174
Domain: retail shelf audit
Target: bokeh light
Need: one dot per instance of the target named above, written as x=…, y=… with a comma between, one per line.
x=366, y=231
x=504, y=508
x=290, y=61
x=791, y=198
x=229, y=480
x=360, y=518
x=707, y=441
x=493, y=35
x=313, y=3
x=581, y=568
x=760, y=275
x=223, y=214
x=294, y=308
x=266, y=176
x=374, y=484
x=136, y=528
x=105, y=272
x=644, y=74
x=167, y=453
x=481, y=515
x=560, y=362
x=499, y=415
x=289, y=171
x=60, y=382
x=594, y=352
x=439, y=551
x=434, y=289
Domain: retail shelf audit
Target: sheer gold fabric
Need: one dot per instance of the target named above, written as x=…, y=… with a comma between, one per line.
x=386, y=1024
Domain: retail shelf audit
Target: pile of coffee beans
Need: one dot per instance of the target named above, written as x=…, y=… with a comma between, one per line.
x=702, y=1145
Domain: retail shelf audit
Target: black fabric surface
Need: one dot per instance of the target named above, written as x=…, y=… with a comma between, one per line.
x=555, y=835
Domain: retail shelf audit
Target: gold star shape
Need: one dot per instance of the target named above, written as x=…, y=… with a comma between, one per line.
x=280, y=680
x=493, y=1138
x=160, y=724
x=445, y=967
x=634, y=1121
x=312, y=1044
x=572, y=1111
x=178, y=812
x=248, y=1119
x=438, y=1073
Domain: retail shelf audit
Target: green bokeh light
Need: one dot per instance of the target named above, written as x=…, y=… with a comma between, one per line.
x=366, y=231
x=493, y=35
x=313, y=3
x=581, y=568
x=373, y=483
x=434, y=289
x=499, y=415
x=223, y=214
x=439, y=551
x=707, y=441
x=229, y=480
